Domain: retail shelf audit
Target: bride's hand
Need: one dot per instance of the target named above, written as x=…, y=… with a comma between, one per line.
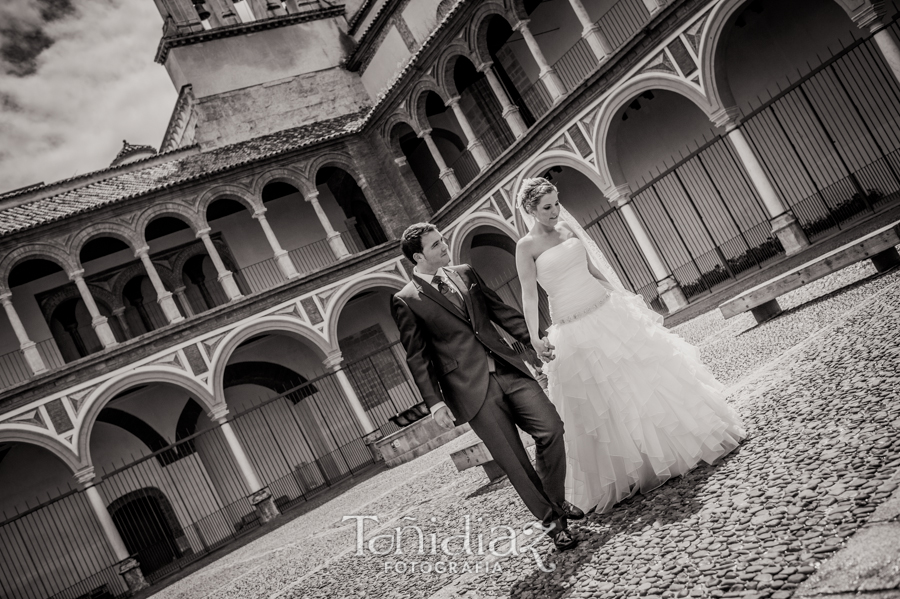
x=544, y=349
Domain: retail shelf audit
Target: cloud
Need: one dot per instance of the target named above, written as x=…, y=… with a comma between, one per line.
x=74, y=83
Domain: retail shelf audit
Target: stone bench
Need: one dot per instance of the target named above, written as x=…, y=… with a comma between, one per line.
x=478, y=455
x=879, y=246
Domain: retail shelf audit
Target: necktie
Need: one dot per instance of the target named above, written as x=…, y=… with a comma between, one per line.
x=448, y=292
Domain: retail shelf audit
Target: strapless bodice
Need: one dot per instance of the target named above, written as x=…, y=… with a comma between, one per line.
x=563, y=273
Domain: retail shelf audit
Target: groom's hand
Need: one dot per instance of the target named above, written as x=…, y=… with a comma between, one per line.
x=444, y=417
x=545, y=350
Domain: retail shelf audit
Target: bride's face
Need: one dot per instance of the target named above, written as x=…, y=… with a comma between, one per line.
x=546, y=211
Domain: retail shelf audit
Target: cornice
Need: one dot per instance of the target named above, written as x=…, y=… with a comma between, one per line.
x=167, y=43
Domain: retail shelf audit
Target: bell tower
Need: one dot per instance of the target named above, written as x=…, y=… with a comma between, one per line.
x=247, y=68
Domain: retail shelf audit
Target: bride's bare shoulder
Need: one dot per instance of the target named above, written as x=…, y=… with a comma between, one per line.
x=525, y=245
x=566, y=230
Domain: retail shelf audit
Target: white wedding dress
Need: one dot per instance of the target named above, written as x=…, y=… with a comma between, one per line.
x=637, y=404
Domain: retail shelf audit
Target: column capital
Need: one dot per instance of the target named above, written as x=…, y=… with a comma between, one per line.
x=218, y=414
x=5, y=296
x=453, y=102
x=866, y=14
x=446, y=173
x=259, y=213
x=204, y=232
x=85, y=476
x=401, y=161
x=522, y=24
x=618, y=196
x=142, y=251
x=76, y=274
x=333, y=360
x=424, y=133
x=118, y=310
x=728, y=117
x=312, y=196
x=485, y=66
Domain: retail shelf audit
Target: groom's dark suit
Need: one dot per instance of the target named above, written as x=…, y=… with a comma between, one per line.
x=456, y=356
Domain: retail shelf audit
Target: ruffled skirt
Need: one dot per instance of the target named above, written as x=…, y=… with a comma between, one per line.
x=638, y=405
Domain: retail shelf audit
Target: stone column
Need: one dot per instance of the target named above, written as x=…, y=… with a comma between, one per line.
x=98, y=321
x=185, y=303
x=475, y=146
x=226, y=279
x=26, y=345
x=654, y=6
x=333, y=363
x=869, y=14
x=163, y=296
x=128, y=567
x=547, y=73
x=338, y=247
x=510, y=110
x=446, y=174
x=784, y=225
x=119, y=313
x=591, y=32
x=260, y=496
x=666, y=285
x=281, y=256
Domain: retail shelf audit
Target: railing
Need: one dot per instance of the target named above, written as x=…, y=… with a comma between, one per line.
x=576, y=64
x=14, y=369
x=830, y=144
x=623, y=20
x=171, y=512
x=145, y=317
x=493, y=144
x=465, y=167
x=612, y=235
x=384, y=385
x=537, y=99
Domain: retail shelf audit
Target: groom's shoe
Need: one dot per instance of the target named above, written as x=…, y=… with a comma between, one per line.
x=571, y=511
x=562, y=539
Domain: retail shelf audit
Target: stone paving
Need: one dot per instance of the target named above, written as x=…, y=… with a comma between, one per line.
x=817, y=388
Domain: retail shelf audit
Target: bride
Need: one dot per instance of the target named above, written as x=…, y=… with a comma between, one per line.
x=638, y=405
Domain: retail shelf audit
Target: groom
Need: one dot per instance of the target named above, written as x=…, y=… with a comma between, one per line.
x=466, y=373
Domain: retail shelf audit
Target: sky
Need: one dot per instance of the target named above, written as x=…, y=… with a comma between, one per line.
x=76, y=78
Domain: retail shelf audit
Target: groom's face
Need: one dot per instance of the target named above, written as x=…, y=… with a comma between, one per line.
x=435, y=253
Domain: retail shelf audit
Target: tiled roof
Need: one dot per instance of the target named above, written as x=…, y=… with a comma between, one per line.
x=130, y=149
x=160, y=176
x=169, y=174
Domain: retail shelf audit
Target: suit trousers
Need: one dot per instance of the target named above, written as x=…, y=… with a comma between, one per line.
x=514, y=399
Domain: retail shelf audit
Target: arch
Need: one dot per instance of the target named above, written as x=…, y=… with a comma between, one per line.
x=67, y=292
x=144, y=375
x=290, y=176
x=392, y=137
x=179, y=211
x=540, y=164
x=447, y=62
x=478, y=28
x=22, y=433
x=417, y=101
x=712, y=46
x=123, y=277
x=350, y=290
x=193, y=250
x=47, y=251
x=336, y=160
x=277, y=323
x=607, y=159
x=230, y=192
x=127, y=235
x=472, y=222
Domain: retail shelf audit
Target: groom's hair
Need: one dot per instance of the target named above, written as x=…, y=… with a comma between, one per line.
x=411, y=240
x=532, y=191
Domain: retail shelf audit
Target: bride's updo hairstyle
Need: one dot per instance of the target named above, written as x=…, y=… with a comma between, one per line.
x=532, y=191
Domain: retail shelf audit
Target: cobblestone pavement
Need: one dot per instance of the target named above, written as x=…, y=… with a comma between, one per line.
x=817, y=388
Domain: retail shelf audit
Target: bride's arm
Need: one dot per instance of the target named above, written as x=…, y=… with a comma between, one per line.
x=528, y=280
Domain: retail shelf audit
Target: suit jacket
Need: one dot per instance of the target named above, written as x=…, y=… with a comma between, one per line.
x=447, y=349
